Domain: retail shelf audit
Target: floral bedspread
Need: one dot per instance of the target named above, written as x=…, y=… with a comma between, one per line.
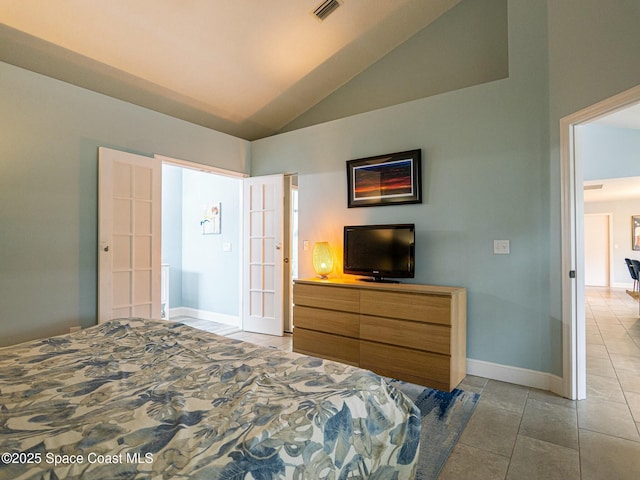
x=154, y=399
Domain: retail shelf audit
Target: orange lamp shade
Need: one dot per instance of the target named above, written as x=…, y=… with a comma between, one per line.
x=322, y=259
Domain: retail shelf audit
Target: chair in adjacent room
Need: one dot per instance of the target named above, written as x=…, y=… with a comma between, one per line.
x=632, y=272
x=636, y=268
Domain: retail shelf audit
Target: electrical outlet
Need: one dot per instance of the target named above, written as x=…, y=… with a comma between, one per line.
x=501, y=247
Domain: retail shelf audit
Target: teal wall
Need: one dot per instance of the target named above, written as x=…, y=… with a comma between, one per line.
x=49, y=138
x=593, y=55
x=491, y=171
x=609, y=152
x=203, y=275
x=466, y=46
x=485, y=177
x=210, y=275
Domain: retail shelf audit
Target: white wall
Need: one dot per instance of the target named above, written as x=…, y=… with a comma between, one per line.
x=621, y=212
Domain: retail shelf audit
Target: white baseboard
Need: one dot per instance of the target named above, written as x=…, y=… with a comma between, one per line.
x=205, y=315
x=519, y=376
x=627, y=286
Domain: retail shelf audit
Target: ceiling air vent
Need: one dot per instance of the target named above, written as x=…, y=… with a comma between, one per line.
x=326, y=8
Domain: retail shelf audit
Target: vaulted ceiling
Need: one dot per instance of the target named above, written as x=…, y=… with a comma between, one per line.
x=243, y=67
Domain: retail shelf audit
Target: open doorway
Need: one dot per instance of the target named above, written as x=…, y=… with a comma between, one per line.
x=573, y=241
x=617, y=199
x=291, y=233
x=202, y=247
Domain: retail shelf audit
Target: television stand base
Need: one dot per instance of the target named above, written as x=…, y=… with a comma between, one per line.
x=378, y=280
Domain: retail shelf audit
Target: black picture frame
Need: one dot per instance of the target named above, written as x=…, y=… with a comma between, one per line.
x=391, y=179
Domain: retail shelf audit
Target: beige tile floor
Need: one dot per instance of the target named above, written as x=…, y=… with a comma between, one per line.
x=207, y=325
x=522, y=433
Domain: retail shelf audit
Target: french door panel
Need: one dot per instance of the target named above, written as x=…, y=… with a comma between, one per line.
x=129, y=234
x=263, y=227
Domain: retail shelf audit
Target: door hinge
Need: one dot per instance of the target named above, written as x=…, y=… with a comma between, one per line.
x=572, y=274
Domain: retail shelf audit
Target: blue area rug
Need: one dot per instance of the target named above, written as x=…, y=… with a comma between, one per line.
x=444, y=416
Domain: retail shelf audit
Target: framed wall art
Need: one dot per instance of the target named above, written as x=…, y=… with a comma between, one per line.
x=391, y=179
x=635, y=232
x=210, y=220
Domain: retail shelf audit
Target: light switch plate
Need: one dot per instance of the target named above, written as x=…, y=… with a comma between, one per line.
x=501, y=247
x=226, y=247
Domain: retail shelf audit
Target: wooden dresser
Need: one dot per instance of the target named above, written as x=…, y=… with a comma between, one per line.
x=415, y=333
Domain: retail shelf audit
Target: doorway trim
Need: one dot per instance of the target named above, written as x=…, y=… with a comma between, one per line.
x=572, y=244
x=200, y=166
x=208, y=169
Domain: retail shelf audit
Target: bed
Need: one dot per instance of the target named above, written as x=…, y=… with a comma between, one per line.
x=139, y=398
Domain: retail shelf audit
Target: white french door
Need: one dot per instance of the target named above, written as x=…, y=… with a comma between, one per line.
x=263, y=227
x=129, y=230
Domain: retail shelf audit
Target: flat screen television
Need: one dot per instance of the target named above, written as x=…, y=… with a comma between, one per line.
x=380, y=252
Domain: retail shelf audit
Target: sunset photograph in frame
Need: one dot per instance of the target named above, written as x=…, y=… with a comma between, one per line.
x=390, y=179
